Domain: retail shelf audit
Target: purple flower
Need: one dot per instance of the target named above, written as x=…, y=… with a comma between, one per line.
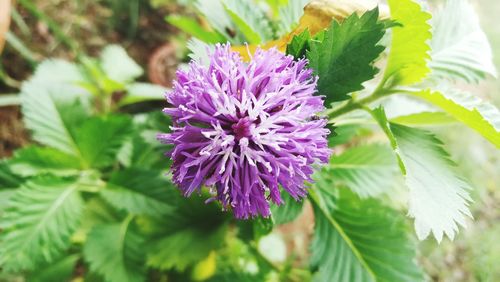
x=245, y=129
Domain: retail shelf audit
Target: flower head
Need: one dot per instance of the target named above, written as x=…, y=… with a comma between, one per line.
x=245, y=129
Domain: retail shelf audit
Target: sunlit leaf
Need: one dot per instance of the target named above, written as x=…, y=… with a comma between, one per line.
x=460, y=48
x=117, y=64
x=468, y=109
x=142, y=92
x=438, y=195
x=425, y=119
x=438, y=198
x=407, y=62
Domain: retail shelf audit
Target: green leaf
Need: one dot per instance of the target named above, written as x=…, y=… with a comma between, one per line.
x=49, y=118
x=34, y=160
x=245, y=19
x=116, y=251
x=438, y=194
x=368, y=170
x=215, y=14
x=290, y=15
x=361, y=240
x=8, y=179
x=56, y=71
x=299, y=45
x=141, y=191
x=252, y=230
x=344, y=59
x=184, y=248
x=438, y=198
x=237, y=261
x=232, y=275
x=155, y=121
x=468, y=109
x=345, y=133
x=250, y=20
x=111, y=132
x=200, y=51
x=407, y=62
x=192, y=27
x=288, y=211
x=118, y=66
x=37, y=224
x=142, y=149
x=61, y=270
x=5, y=195
x=424, y=119
x=460, y=48
x=100, y=84
x=142, y=92
x=64, y=81
x=97, y=212
x=186, y=236
x=139, y=153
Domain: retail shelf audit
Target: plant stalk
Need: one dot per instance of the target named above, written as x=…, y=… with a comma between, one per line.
x=353, y=105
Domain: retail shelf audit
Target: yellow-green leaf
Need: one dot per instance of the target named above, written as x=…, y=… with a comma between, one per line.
x=468, y=109
x=407, y=63
x=424, y=119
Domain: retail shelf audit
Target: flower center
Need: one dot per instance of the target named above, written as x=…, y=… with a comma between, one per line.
x=242, y=128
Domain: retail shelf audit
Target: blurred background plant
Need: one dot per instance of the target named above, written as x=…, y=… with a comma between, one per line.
x=155, y=36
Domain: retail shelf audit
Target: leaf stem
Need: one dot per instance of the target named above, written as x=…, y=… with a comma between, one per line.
x=353, y=105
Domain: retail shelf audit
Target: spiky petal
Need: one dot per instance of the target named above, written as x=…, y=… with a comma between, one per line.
x=245, y=129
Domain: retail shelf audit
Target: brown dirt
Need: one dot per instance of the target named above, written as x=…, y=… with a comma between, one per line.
x=12, y=132
x=88, y=23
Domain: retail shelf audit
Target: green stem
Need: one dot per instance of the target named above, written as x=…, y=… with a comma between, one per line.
x=353, y=105
x=9, y=81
